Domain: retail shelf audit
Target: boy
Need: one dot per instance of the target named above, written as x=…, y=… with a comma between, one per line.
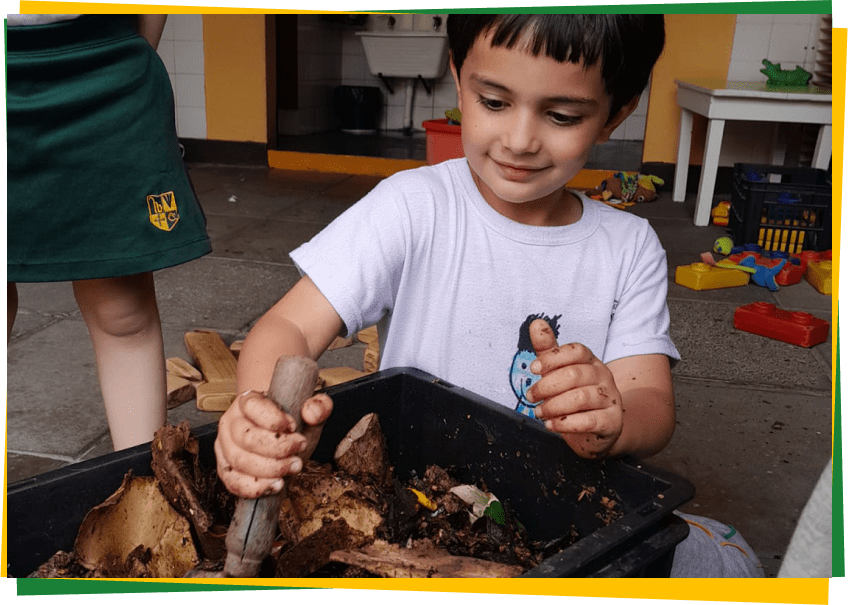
x=456, y=259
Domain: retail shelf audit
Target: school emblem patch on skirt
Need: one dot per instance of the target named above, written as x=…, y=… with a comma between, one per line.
x=163, y=210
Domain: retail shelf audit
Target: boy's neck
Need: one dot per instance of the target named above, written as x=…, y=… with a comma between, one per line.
x=556, y=210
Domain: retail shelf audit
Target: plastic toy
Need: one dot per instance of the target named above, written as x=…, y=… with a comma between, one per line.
x=785, y=77
x=701, y=276
x=723, y=245
x=627, y=188
x=767, y=320
x=764, y=275
x=820, y=276
x=721, y=214
x=791, y=273
x=454, y=116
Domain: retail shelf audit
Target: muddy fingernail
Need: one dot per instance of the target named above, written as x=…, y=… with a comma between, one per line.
x=536, y=367
x=276, y=486
x=549, y=425
x=296, y=466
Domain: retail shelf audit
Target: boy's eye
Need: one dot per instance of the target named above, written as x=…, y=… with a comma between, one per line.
x=563, y=119
x=492, y=104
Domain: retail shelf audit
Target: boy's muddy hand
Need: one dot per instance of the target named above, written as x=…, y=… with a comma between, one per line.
x=256, y=446
x=581, y=400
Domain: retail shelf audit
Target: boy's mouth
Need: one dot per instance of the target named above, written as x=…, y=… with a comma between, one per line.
x=516, y=172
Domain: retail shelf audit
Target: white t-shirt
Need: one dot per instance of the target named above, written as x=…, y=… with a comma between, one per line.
x=454, y=284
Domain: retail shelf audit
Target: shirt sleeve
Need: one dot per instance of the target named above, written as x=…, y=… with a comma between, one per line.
x=357, y=261
x=640, y=319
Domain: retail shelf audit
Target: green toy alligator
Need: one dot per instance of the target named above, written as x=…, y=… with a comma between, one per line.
x=784, y=77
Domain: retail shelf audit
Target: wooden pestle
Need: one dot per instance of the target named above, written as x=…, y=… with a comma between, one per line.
x=254, y=524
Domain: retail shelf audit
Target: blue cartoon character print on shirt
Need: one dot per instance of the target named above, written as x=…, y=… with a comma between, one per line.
x=520, y=375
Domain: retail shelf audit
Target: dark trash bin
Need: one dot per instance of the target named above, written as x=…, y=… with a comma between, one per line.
x=358, y=108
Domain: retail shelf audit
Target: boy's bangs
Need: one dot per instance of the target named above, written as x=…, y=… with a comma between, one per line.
x=572, y=38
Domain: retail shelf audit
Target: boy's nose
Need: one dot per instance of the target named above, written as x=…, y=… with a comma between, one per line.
x=520, y=136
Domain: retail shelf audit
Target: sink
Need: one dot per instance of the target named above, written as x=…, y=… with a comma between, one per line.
x=406, y=54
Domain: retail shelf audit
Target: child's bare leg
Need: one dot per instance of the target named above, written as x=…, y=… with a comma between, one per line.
x=123, y=319
x=11, y=307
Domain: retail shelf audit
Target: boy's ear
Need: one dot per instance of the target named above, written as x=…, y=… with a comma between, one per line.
x=616, y=120
x=456, y=82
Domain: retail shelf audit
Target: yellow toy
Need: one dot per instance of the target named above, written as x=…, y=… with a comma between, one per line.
x=721, y=214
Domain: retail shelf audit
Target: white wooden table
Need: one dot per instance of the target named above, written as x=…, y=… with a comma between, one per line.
x=719, y=101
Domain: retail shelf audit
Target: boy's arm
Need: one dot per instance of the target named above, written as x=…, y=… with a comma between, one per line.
x=150, y=28
x=256, y=445
x=648, y=401
x=624, y=407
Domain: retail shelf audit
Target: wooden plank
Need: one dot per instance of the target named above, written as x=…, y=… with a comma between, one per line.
x=218, y=366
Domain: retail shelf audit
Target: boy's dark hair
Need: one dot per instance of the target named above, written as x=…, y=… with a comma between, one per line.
x=626, y=45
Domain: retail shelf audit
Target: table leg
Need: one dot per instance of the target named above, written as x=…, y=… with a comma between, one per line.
x=821, y=157
x=704, y=202
x=681, y=170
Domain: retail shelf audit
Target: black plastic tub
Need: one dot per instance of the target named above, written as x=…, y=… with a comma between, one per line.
x=425, y=421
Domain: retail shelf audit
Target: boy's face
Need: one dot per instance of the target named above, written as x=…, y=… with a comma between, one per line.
x=528, y=125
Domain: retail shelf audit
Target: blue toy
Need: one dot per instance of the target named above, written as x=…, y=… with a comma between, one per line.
x=763, y=276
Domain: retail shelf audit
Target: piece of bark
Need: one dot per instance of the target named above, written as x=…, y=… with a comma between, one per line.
x=330, y=377
x=367, y=335
x=183, y=369
x=317, y=496
x=136, y=533
x=180, y=390
x=422, y=560
x=218, y=366
x=362, y=453
x=174, y=462
x=371, y=357
x=313, y=553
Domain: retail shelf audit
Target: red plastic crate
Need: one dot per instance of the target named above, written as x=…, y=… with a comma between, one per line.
x=767, y=320
x=444, y=141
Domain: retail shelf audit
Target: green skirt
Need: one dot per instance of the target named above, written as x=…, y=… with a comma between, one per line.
x=96, y=182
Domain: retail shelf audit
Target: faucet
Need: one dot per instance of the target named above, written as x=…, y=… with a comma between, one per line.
x=437, y=23
x=391, y=22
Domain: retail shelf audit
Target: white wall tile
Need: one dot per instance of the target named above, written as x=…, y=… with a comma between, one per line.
x=751, y=42
x=166, y=53
x=188, y=57
x=788, y=44
x=187, y=27
x=190, y=90
x=634, y=128
x=191, y=122
x=755, y=18
x=168, y=31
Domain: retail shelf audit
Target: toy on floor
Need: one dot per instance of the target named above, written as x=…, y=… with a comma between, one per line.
x=767, y=320
x=785, y=77
x=704, y=276
x=723, y=245
x=763, y=275
x=627, y=188
x=721, y=214
x=454, y=116
x=791, y=273
x=708, y=259
x=820, y=275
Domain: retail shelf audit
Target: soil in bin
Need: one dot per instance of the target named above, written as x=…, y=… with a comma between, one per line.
x=337, y=524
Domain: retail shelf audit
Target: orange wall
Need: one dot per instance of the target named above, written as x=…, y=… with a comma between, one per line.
x=697, y=46
x=236, y=89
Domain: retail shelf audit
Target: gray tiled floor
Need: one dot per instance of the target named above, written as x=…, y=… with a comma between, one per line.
x=754, y=415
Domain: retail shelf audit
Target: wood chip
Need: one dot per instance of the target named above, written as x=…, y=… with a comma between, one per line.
x=367, y=335
x=183, y=369
x=340, y=343
x=371, y=357
x=422, y=560
x=180, y=390
x=218, y=366
x=329, y=377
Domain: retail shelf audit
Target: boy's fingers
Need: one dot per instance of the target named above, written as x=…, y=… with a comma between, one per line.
x=573, y=401
x=542, y=336
x=263, y=412
x=562, y=356
x=270, y=444
x=561, y=380
x=316, y=409
x=252, y=473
